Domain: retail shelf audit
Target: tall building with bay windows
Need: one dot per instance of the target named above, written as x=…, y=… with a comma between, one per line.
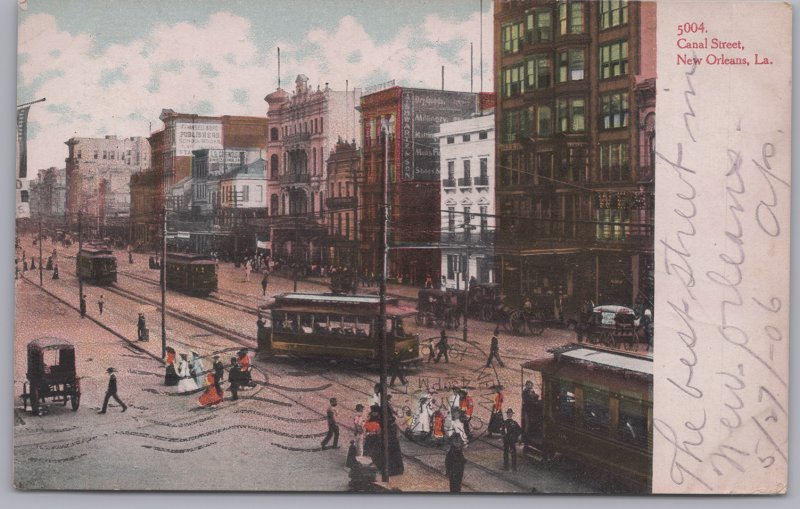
x=575, y=136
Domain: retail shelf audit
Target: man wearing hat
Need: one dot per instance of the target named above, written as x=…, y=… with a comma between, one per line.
x=454, y=463
x=219, y=373
x=511, y=433
x=494, y=350
x=111, y=391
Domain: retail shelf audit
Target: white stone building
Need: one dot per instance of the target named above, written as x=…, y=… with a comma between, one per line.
x=466, y=151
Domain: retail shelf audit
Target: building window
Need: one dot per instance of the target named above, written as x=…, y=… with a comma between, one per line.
x=511, y=37
x=95, y=154
x=273, y=134
x=538, y=72
x=539, y=26
x=482, y=135
x=515, y=124
x=24, y=196
x=452, y=266
x=466, y=137
x=571, y=65
x=614, y=162
x=320, y=125
x=451, y=170
x=570, y=17
x=544, y=121
x=573, y=164
x=484, y=168
x=614, y=110
x=112, y=154
x=613, y=13
x=105, y=154
x=514, y=80
x=451, y=219
x=570, y=115
x=614, y=60
x=79, y=154
x=467, y=163
x=451, y=139
x=484, y=220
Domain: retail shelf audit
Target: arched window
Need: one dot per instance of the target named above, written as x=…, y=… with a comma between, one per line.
x=273, y=165
x=273, y=134
x=314, y=160
x=274, y=205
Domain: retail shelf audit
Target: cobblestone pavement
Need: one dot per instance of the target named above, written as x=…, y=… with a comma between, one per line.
x=267, y=440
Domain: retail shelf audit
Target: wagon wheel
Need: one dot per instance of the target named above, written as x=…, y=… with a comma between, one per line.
x=536, y=325
x=486, y=313
x=517, y=322
x=34, y=396
x=76, y=401
x=456, y=321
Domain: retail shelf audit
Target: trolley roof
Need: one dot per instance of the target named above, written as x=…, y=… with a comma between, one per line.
x=189, y=257
x=332, y=303
x=95, y=250
x=601, y=365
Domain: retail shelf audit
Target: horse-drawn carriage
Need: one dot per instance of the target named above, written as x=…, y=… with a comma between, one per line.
x=614, y=326
x=51, y=374
x=439, y=308
x=343, y=282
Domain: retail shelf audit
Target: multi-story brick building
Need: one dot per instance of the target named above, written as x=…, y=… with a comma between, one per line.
x=466, y=152
x=230, y=141
x=342, y=203
x=575, y=123
x=413, y=117
x=303, y=129
x=98, y=176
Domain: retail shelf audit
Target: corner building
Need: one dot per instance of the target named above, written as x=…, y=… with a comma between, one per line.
x=575, y=150
x=413, y=116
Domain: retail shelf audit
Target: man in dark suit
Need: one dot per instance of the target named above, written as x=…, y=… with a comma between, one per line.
x=235, y=377
x=333, y=426
x=111, y=392
x=219, y=374
x=511, y=433
x=454, y=463
x=443, y=347
x=494, y=350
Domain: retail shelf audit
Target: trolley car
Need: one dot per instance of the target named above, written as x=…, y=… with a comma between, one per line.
x=194, y=274
x=337, y=327
x=597, y=408
x=97, y=265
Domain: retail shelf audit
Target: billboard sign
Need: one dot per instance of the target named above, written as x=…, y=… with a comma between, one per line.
x=191, y=136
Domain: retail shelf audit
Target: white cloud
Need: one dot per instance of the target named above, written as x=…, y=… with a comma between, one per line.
x=121, y=89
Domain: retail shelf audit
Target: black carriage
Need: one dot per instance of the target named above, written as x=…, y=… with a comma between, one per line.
x=613, y=326
x=194, y=274
x=438, y=308
x=343, y=282
x=51, y=374
x=485, y=301
x=97, y=265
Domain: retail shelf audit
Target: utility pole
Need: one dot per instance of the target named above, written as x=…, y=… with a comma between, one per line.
x=468, y=227
x=39, y=210
x=294, y=248
x=382, y=319
x=356, y=254
x=80, y=248
x=164, y=285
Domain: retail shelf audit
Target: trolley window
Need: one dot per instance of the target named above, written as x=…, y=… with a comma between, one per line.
x=306, y=324
x=564, y=401
x=633, y=422
x=596, y=416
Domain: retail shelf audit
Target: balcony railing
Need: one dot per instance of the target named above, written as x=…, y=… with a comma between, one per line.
x=297, y=138
x=448, y=182
x=532, y=232
x=474, y=238
x=482, y=180
x=341, y=202
x=294, y=178
x=465, y=182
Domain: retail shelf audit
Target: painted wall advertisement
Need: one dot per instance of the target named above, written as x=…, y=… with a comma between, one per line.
x=422, y=112
x=194, y=136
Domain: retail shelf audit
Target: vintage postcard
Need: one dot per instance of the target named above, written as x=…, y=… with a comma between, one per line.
x=510, y=246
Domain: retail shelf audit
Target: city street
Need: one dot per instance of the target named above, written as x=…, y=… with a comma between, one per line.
x=267, y=440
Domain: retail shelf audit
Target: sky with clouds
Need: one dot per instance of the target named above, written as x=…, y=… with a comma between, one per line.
x=110, y=66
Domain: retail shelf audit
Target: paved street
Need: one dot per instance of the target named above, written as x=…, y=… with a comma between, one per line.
x=270, y=438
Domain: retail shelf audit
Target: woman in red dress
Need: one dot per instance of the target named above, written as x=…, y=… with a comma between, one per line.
x=210, y=395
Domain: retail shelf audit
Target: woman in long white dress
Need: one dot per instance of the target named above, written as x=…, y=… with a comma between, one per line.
x=185, y=381
x=422, y=423
x=198, y=369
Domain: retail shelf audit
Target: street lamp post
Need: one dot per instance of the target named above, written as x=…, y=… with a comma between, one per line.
x=163, y=270
x=382, y=292
x=39, y=210
x=80, y=248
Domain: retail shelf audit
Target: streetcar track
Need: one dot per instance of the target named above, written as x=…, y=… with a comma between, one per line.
x=183, y=424
x=58, y=460
x=178, y=451
x=217, y=431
